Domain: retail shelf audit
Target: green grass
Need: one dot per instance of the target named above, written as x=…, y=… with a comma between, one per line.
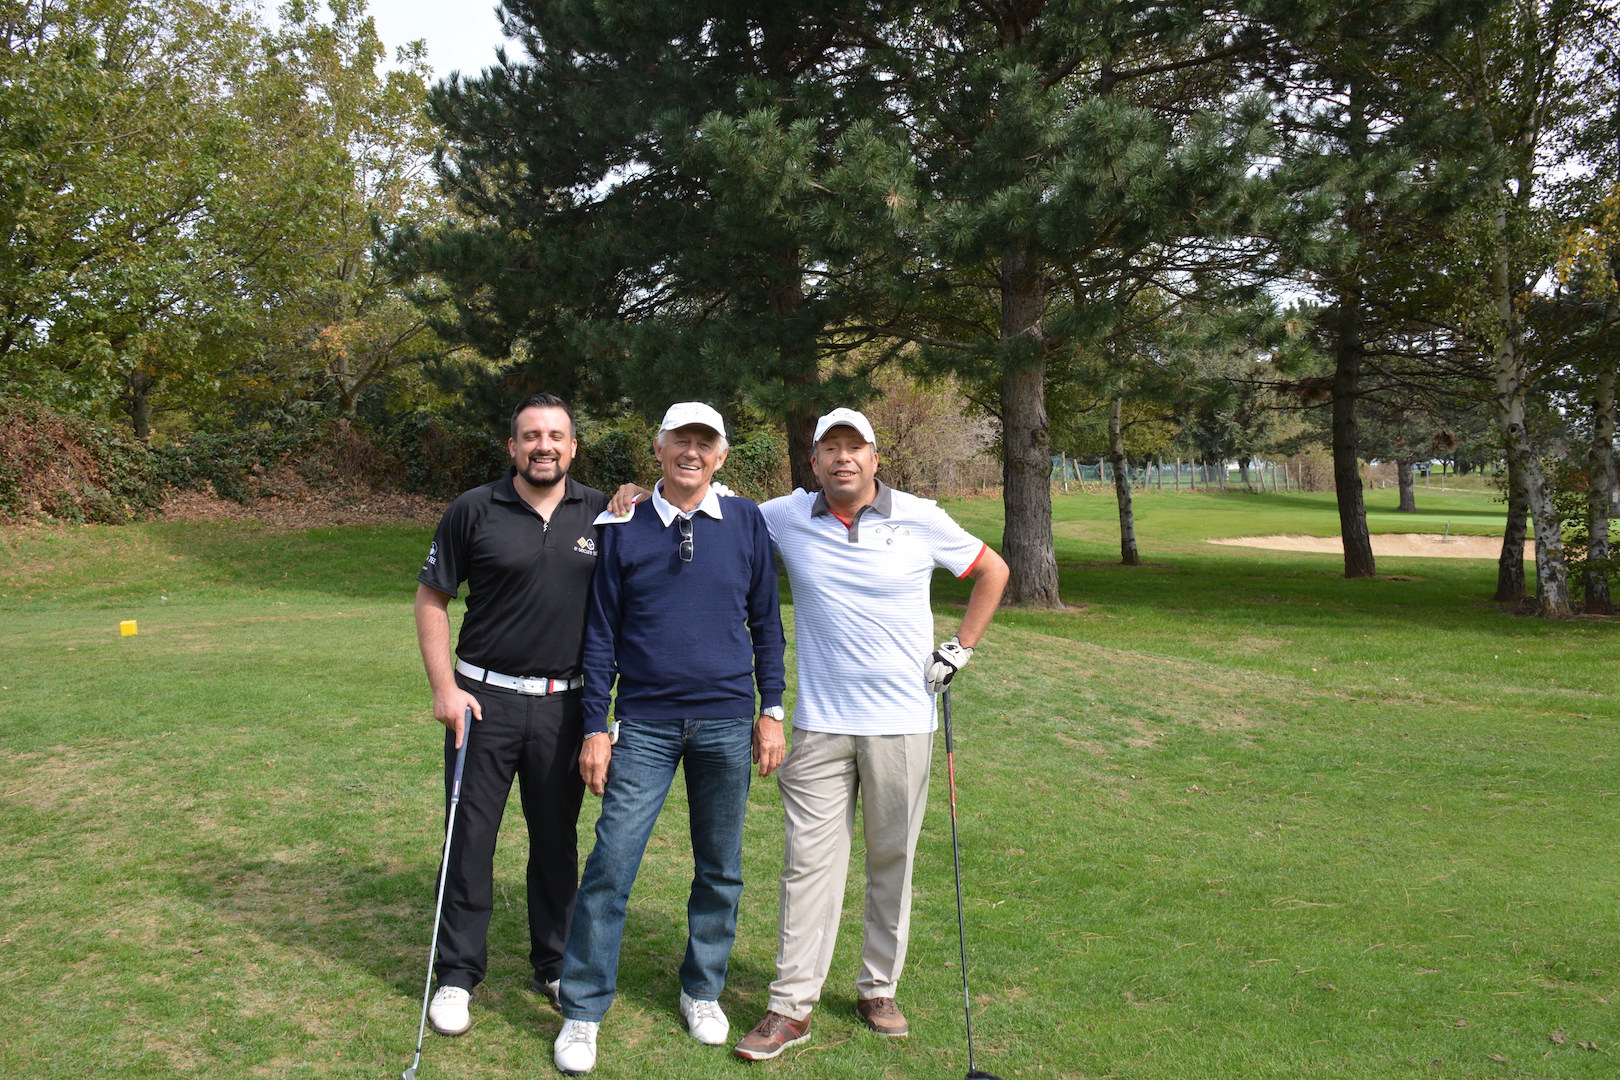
x=1228, y=816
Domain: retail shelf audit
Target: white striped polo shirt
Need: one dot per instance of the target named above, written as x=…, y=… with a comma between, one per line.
x=863, y=625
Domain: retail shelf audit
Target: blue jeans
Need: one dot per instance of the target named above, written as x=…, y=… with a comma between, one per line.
x=717, y=757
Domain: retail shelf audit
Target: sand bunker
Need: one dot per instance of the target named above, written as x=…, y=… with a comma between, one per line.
x=1428, y=545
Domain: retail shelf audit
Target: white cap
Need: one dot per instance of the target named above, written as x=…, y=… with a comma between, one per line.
x=845, y=418
x=686, y=413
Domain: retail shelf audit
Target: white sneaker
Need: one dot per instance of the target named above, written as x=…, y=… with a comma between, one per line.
x=448, y=1011
x=704, y=1020
x=575, y=1050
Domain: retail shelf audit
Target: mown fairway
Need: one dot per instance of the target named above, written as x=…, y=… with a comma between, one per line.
x=1230, y=816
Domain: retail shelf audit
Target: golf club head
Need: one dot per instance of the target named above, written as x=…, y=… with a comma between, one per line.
x=973, y=1074
x=408, y=1074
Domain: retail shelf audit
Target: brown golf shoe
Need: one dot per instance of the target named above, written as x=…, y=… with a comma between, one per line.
x=883, y=1016
x=771, y=1036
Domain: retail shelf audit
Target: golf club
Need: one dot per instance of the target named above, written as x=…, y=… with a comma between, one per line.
x=961, y=924
x=444, y=871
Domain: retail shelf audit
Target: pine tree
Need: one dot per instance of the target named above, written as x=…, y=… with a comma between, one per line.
x=1070, y=154
x=669, y=201
x=726, y=199
x=1368, y=126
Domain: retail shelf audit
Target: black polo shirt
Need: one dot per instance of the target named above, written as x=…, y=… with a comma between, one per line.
x=528, y=580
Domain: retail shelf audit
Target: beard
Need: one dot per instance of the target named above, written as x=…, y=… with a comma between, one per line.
x=544, y=474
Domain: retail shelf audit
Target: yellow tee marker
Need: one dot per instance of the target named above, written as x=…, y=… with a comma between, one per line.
x=127, y=628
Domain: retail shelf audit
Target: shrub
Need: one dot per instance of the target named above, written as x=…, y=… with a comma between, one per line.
x=930, y=441
x=64, y=467
x=430, y=454
x=228, y=462
x=1312, y=470
x=613, y=452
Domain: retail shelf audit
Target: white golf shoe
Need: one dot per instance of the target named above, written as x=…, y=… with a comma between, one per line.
x=448, y=1010
x=704, y=1020
x=575, y=1049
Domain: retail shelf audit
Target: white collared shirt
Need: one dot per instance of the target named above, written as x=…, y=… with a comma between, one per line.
x=668, y=511
x=864, y=623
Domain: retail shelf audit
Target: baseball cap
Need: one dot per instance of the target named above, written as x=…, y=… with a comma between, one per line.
x=845, y=418
x=684, y=413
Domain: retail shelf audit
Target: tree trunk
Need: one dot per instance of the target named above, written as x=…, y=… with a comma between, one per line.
x=801, y=427
x=1403, y=474
x=1128, y=555
x=341, y=369
x=1552, y=587
x=800, y=375
x=348, y=389
x=140, y=404
x=1510, y=565
x=1512, y=375
x=1025, y=436
x=1243, y=474
x=1358, y=556
x=1600, y=490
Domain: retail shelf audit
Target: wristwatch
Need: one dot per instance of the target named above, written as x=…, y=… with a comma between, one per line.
x=775, y=712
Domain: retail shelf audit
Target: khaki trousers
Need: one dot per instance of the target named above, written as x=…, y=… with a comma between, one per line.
x=820, y=781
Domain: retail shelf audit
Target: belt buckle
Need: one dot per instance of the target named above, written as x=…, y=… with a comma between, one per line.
x=537, y=687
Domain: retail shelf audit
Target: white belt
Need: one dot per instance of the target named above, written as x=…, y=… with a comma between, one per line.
x=538, y=686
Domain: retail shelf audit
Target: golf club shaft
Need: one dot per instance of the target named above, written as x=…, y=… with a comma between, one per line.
x=444, y=873
x=956, y=858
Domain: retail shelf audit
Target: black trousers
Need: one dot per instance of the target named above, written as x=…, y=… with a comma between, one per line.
x=537, y=741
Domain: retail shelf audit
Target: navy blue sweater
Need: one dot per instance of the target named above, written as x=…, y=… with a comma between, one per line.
x=686, y=640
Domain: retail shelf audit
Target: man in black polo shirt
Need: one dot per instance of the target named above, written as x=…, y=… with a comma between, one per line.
x=526, y=547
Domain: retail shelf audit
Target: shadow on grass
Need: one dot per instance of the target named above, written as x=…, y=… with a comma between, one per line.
x=1276, y=590
x=378, y=920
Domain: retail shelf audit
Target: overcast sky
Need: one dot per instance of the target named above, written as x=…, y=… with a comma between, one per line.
x=461, y=35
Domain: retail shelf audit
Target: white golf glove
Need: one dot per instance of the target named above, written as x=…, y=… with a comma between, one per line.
x=947, y=660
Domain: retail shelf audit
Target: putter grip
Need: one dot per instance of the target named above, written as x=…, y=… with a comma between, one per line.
x=461, y=755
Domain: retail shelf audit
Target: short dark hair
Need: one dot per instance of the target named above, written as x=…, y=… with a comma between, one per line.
x=541, y=401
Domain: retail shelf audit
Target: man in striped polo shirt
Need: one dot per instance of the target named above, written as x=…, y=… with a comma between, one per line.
x=860, y=556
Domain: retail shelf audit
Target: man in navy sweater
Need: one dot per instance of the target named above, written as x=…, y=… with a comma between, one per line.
x=684, y=617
